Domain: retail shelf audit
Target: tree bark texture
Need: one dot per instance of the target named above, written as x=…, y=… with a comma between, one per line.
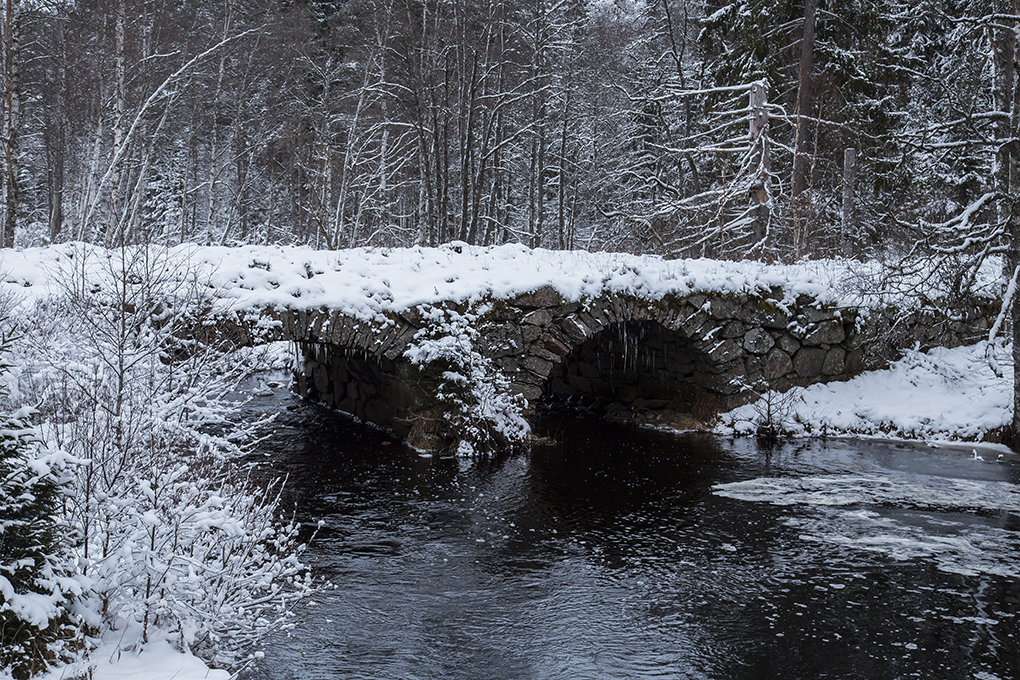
x=12, y=121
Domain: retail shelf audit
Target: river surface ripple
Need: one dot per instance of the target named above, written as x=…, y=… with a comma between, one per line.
x=624, y=553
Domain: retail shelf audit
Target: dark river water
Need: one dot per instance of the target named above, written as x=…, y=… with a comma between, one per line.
x=625, y=553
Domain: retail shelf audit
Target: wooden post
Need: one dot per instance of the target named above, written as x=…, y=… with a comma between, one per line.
x=846, y=227
x=760, y=158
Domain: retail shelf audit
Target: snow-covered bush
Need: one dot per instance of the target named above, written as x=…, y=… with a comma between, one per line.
x=474, y=409
x=133, y=383
x=34, y=582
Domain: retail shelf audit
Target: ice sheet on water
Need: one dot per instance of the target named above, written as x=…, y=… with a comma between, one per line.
x=906, y=491
x=866, y=512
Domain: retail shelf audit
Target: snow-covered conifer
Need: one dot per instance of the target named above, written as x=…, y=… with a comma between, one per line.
x=34, y=585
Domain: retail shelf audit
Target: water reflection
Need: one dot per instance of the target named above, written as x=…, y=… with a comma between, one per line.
x=620, y=553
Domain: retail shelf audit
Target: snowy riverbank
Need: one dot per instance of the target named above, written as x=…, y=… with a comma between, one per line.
x=936, y=398
x=945, y=395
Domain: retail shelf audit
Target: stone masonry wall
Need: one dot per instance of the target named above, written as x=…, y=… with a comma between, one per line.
x=679, y=347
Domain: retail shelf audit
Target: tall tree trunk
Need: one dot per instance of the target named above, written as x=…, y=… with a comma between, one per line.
x=801, y=159
x=1003, y=44
x=55, y=143
x=805, y=97
x=12, y=120
x=120, y=96
x=55, y=139
x=1006, y=166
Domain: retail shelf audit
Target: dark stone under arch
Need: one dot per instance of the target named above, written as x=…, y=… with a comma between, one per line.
x=373, y=388
x=633, y=368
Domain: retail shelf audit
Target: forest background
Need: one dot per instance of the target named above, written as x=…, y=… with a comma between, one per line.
x=773, y=129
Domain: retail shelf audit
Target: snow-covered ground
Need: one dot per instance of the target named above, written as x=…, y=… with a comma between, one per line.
x=939, y=396
x=157, y=660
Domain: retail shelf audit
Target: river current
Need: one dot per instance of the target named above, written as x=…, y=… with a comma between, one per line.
x=628, y=553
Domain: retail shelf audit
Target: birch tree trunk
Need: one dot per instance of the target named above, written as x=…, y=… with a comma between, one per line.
x=116, y=180
x=12, y=120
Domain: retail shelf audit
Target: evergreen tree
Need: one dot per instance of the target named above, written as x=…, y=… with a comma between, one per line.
x=32, y=584
x=838, y=75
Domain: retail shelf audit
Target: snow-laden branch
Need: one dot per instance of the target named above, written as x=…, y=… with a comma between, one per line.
x=1007, y=301
x=140, y=115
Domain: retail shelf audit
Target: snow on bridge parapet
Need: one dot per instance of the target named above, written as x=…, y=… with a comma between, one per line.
x=367, y=282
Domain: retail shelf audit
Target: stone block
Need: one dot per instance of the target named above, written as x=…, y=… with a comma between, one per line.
x=527, y=390
x=615, y=310
x=575, y=329
x=539, y=317
x=855, y=361
x=808, y=362
x=385, y=338
x=691, y=324
x=530, y=333
x=554, y=345
x=816, y=314
x=642, y=310
x=835, y=361
x=669, y=317
x=400, y=343
x=538, y=366
x=319, y=317
x=725, y=308
x=508, y=365
x=788, y=344
x=544, y=354
x=758, y=341
x=594, y=316
x=412, y=315
x=697, y=300
x=777, y=364
x=828, y=332
x=775, y=318
x=725, y=351
x=546, y=296
x=733, y=329
x=725, y=382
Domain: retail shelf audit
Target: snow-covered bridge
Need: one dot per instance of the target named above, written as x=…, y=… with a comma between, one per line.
x=683, y=355
x=459, y=342
x=666, y=341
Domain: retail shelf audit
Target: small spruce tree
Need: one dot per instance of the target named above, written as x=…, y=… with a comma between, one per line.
x=32, y=582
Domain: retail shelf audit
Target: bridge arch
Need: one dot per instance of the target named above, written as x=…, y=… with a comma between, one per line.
x=356, y=365
x=635, y=368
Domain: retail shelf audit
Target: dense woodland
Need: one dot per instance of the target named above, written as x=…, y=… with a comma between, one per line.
x=764, y=128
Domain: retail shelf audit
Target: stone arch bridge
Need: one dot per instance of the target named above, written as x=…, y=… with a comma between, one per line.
x=678, y=359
